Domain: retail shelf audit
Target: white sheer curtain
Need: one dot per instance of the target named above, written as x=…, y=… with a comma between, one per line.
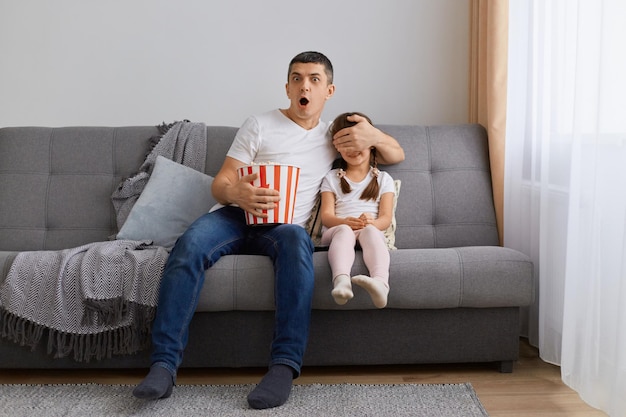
x=565, y=185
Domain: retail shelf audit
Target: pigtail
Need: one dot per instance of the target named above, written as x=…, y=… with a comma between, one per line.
x=371, y=191
x=341, y=173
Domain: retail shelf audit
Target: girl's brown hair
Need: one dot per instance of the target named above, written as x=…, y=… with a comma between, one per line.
x=371, y=191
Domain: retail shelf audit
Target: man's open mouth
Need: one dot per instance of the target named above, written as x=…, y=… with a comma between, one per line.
x=304, y=101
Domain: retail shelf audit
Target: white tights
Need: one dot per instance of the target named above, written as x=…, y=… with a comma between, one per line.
x=341, y=254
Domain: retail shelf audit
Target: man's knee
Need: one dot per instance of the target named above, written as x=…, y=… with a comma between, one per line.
x=294, y=237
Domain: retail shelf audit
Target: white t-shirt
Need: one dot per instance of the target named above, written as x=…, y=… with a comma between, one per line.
x=273, y=137
x=351, y=204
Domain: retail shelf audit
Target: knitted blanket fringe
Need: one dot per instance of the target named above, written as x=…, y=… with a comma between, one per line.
x=81, y=347
x=62, y=294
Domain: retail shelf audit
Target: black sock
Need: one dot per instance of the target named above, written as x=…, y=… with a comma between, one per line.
x=157, y=384
x=274, y=388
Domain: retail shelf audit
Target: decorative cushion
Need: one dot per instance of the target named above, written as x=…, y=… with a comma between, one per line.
x=314, y=226
x=174, y=197
x=390, y=232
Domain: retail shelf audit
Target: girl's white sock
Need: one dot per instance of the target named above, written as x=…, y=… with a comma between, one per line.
x=377, y=289
x=342, y=289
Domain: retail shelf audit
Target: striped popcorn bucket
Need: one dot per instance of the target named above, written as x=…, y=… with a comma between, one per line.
x=283, y=178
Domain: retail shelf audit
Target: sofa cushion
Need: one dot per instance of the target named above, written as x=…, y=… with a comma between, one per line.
x=390, y=232
x=473, y=277
x=173, y=198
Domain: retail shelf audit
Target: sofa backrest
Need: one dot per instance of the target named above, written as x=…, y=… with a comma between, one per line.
x=56, y=183
x=446, y=195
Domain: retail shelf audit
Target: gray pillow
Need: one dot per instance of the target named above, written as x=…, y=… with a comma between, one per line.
x=173, y=198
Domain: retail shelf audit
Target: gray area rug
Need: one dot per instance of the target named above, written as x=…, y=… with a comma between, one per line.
x=341, y=400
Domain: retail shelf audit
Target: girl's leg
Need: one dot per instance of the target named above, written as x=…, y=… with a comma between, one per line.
x=341, y=241
x=376, y=258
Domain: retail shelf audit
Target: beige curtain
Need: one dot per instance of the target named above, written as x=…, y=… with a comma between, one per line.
x=488, y=77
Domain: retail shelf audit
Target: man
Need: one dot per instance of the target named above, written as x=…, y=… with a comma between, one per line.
x=290, y=136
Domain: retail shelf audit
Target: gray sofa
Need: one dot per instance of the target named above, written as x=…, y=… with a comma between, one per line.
x=455, y=293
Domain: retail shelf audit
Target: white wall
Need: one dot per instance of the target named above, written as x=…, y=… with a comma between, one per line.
x=142, y=62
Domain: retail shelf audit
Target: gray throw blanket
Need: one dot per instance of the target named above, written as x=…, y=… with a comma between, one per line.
x=96, y=300
x=99, y=299
x=184, y=142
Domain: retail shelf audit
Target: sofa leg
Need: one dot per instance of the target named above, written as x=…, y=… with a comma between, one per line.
x=505, y=367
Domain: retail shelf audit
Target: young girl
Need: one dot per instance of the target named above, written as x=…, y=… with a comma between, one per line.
x=357, y=202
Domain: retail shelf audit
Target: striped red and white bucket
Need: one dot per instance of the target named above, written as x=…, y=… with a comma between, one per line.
x=283, y=178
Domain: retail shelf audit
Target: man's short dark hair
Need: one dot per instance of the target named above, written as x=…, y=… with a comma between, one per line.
x=315, y=58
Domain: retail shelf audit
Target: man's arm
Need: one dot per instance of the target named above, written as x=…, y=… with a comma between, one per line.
x=364, y=135
x=228, y=188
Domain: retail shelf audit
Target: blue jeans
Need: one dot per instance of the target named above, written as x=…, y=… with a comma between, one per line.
x=224, y=232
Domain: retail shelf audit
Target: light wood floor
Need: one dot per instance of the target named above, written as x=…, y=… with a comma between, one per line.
x=533, y=389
